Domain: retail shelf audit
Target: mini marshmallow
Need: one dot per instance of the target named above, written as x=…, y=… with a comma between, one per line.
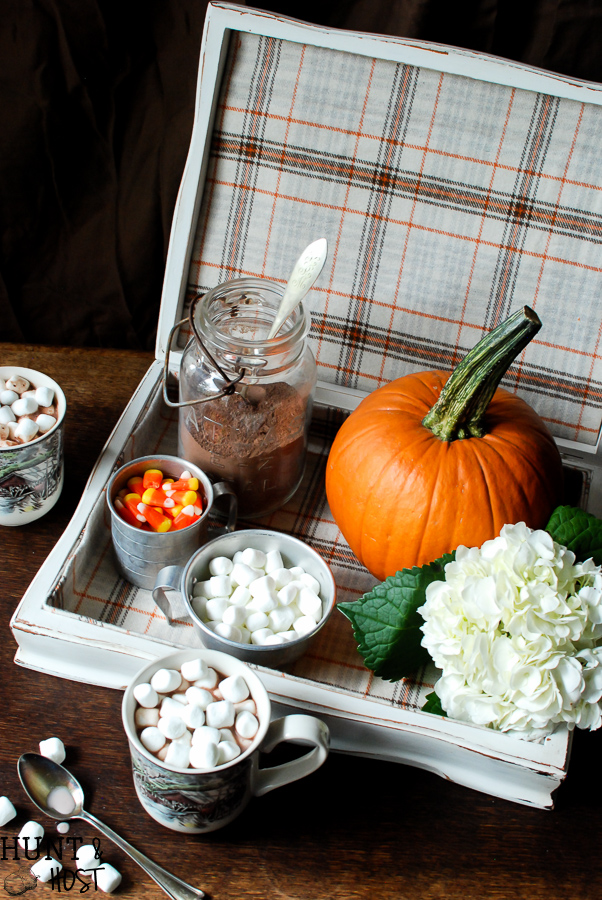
x=208, y=680
x=185, y=739
x=220, y=586
x=7, y=415
x=178, y=754
x=44, y=396
x=63, y=827
x=7, y=398
x=220, y=714
x=7, y=811
x=193, y=669
x=288, y=594
x=46, y=868
x=280, y=619
x=297, y=571
x=273, y=561
x=26, y=430
x=257, y=620
x=4, y=432
x=234, y=615
x=246, y=724
x=88, y=857
x=24, y=406
x=220, y=565
x=144, y=717
x=172, y=727
x=234, y=688
x=54, y=749
x=309, y=603
x=227, y=751
x=254, y=558
x=228, y=632
x=240, y=596
x=246, y=704
x=199, y=605
x=312, y=583
x=193, y=716
x=166, y=680
x=170, y=707
x=242, y=574
x=29, y=834
x=146, y=695
x=259, y=637
x=287, y=636
x=262, y=586
x=201, y=589
x=152, y=738
x=206, y=734
x=107, y=878
x=273, y=639
x=304, y=625
x=197, y=696
x=264, y=602
x=180, y=696
x=45, y=423
x=216, y=607
x=16, y=382
x=204, y=755
x=245, y=635
x=281, y=578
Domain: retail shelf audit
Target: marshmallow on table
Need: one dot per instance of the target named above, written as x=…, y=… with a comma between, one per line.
x=88, y=857
x=53, y=748
x=63, y=827
x=46, y=868
x=107, y=878
x=7, y=811
x=29, y=834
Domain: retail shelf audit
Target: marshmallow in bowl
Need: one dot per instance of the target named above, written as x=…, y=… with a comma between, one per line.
x=259, y=601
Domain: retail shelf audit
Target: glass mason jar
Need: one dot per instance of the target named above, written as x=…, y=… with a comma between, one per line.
x=246, y=401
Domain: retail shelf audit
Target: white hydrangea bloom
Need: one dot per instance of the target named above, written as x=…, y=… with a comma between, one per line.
x=516, y=628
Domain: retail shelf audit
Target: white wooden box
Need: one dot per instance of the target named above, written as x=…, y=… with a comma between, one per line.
x=412, y=159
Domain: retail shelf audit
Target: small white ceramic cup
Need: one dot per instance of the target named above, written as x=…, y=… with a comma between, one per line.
x=31, y=474
x=195, y=801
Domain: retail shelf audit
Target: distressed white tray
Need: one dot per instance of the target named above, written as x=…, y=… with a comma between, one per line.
x=72, y=646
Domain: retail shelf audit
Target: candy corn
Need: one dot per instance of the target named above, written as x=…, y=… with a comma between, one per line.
x=152, y=502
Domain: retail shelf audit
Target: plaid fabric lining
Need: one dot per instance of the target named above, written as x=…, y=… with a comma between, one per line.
x=90, y=586
x=447, y=203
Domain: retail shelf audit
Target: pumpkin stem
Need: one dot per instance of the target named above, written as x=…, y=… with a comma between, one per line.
x=459, y=411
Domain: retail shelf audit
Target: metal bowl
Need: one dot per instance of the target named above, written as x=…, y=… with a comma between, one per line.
x=294, y=553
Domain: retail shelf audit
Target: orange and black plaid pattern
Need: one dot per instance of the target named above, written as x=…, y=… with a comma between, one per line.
x=447, y=203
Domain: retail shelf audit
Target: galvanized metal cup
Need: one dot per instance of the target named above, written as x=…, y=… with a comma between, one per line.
x=175, y=586
x=140, y=555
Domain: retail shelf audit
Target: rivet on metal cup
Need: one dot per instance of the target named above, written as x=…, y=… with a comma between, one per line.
x=139, y=554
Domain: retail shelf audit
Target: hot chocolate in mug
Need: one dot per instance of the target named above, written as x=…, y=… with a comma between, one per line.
x=198, y=800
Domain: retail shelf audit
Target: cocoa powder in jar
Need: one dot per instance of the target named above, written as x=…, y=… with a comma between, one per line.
x=254, y=439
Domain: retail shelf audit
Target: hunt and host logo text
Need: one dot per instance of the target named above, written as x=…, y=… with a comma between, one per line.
x=63, y=849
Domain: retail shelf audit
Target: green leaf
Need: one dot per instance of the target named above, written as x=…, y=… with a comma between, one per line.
x=432, y=704
x=577, y=530
x=386, y=623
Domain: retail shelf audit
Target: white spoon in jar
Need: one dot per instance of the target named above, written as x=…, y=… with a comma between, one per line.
x=306, y=270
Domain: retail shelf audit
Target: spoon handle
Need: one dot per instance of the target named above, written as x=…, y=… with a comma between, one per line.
x=305, y=272
x=174, y=887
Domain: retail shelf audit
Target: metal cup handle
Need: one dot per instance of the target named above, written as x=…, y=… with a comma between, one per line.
x=166, y=592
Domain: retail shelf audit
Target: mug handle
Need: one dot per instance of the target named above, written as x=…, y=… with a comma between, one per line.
x=221, y=489
x=306, y=730
x=172, y=606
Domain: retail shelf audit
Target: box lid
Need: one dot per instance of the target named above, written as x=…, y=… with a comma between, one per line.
x=452, y=187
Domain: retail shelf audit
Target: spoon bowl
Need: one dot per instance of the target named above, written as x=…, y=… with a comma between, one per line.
x=56, y=792
x=305, y=271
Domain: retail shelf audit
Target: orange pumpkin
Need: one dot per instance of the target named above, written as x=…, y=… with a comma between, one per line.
x=403, y=495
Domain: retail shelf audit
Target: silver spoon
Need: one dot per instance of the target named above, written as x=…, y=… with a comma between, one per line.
x=306, y=270
x=59, y=795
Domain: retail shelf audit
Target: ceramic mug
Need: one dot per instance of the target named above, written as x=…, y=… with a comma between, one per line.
x=31, y=474
x=195, y=801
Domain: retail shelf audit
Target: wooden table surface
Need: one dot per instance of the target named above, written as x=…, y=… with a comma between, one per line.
x=357, y=828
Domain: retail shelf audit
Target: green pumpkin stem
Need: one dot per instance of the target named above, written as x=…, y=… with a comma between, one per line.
x=460, y=409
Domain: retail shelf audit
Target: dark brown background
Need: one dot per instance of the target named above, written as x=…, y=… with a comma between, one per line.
x=96, y=106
